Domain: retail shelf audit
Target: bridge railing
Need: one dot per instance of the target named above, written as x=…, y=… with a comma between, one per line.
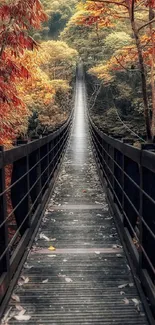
x=27, y=175
x=129, y=174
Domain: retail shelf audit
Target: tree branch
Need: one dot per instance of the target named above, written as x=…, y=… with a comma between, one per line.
x=123, y=65
x=148, y=23
x=120, y=63
x=112, y=2
x=121, y=17
x=132, y=10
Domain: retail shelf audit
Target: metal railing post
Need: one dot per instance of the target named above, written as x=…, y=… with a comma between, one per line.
x=4, y=262
x=140, y=218
x=44, y=155
x=147, y=213
x=51, y=157
x=35, y=177
x=20, y=201
x=118, y=177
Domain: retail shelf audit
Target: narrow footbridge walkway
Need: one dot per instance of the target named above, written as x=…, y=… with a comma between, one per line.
x=86, y=279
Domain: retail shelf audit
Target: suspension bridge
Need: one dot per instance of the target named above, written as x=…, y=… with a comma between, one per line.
x=82, y=227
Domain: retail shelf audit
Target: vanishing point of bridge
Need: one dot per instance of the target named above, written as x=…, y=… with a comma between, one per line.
x=76, y=271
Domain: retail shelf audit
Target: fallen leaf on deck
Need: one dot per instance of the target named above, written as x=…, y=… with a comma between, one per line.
x=51, y=248
x=45, y=281
x=116, y=246
x=61, y=275
x=68, y=280
x=42, y=236
x=25, y=279
x=22, y=317
x=26, y=266
x=15, y=297
x=6, y=317
x=122, y=286
x=136, y=303
x=20, y=308
x=126, y=301
x=119, y=255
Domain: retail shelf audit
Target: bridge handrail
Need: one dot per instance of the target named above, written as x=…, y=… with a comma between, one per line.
x=15, y=153
x=27, y=176
x=129, y=174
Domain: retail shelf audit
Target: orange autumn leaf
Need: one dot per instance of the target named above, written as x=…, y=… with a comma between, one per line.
x=17, y=18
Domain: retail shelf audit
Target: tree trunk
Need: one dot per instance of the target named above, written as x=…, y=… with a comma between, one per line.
x=152, y=56
x=143, y=80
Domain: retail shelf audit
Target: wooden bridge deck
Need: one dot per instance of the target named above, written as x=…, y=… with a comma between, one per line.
x=86, y=280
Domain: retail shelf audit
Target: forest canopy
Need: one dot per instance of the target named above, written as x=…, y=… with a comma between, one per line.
x=116, y=41
x=36, y=69
x=40, y=44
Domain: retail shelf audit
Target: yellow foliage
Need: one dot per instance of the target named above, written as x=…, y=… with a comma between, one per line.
x=51, y=71
x=60, y=85
x=57, y=51
x=103, y=73
x=37, y=90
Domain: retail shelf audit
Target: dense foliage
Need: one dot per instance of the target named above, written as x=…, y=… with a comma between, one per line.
x=59, y=13
x=35, y=76
x=122, y=58
x=16, y=19
x=39, y=43
x=48, y=93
